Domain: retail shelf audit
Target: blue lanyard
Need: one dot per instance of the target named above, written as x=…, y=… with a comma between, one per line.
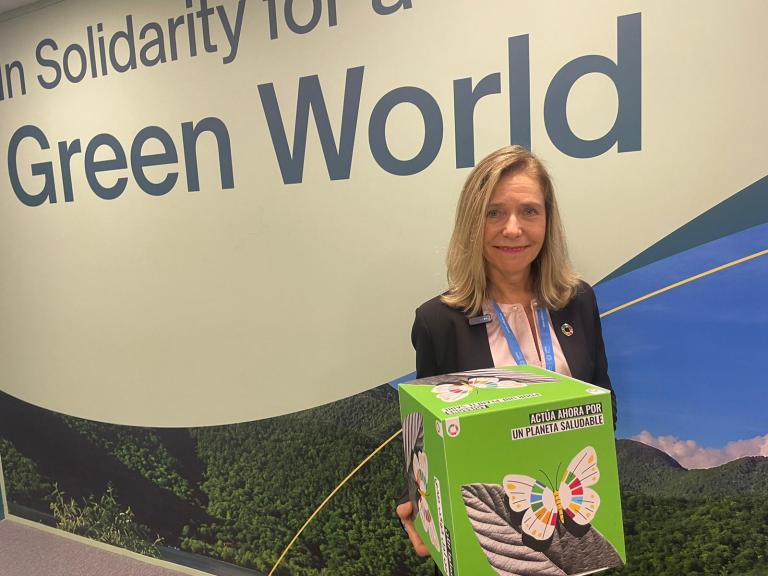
x=514, y=346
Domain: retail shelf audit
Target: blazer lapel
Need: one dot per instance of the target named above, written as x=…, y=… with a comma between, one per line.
x=573, y=346
x=480, y=350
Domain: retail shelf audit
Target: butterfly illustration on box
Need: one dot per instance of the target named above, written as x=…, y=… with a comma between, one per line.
x=455, y=391
x=421, y=475
x=544, y=506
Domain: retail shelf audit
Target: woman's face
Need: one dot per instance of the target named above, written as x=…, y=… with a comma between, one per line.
x=515, y=227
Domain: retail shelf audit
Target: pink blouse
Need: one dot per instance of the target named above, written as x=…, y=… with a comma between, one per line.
x=521, y=328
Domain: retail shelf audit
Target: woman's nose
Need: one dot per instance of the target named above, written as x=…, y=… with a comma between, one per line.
x=512, y=227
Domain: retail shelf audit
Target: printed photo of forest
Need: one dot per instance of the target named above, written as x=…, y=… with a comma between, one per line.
x=239, y=493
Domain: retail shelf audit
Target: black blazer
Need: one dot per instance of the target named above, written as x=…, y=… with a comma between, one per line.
x=445, y=342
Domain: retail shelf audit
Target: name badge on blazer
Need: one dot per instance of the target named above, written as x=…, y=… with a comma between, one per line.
x=484, y=319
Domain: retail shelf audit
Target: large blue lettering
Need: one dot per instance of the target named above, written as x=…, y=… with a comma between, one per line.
x=140, y=161
x=433, y=130
x=338, y=160
x=45, y=169
x=465, y=98
x=93, y=167
x=190, y=134
x=625, y=74
x=105, y=154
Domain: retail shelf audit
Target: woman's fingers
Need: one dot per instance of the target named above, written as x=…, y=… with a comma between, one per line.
x=404, y=512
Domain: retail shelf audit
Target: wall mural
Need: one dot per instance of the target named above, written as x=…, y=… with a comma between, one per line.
x=175, y=175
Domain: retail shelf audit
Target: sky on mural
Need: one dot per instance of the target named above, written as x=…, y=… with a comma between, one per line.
x=689, y=365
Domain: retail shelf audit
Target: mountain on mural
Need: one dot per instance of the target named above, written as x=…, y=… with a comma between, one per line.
x=680, y=522
x=647, y=470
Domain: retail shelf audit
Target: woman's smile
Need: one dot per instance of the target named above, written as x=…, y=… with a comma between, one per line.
x=511, y=249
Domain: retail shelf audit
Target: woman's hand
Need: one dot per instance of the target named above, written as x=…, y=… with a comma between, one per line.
x=404, y=512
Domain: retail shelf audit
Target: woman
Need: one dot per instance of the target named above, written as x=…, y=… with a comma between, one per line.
x=513, y=297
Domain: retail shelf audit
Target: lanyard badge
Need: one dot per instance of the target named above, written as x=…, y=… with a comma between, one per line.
x=514, y=346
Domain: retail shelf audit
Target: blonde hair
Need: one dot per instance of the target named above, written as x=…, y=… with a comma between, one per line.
x=554, y=280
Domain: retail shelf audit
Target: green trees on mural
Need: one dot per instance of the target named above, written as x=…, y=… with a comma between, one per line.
x=22, y=480
x=646, y=470
x=706, y=536
x=264, y=479
x=103, y=519
x=139, y=449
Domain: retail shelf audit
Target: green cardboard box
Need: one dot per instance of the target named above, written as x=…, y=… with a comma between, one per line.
x=512, y=471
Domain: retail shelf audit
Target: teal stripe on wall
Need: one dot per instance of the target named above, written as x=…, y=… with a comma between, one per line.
x=743, y=210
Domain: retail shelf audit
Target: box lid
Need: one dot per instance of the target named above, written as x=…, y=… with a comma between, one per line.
x=466, y=394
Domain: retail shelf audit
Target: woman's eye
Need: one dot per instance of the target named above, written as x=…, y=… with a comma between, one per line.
x=493, y=213
x=531, y=211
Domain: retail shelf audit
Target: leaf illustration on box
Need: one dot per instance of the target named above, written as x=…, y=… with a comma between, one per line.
x=455, y=391
x=544, y=506
x=508, y=548
x=421, y=473
x=502, y=543
x=413, y=434
x=413, y=442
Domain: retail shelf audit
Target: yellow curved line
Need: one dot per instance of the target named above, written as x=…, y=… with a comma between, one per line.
x=682, y=282
x=331, y=495
x=396, y=434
